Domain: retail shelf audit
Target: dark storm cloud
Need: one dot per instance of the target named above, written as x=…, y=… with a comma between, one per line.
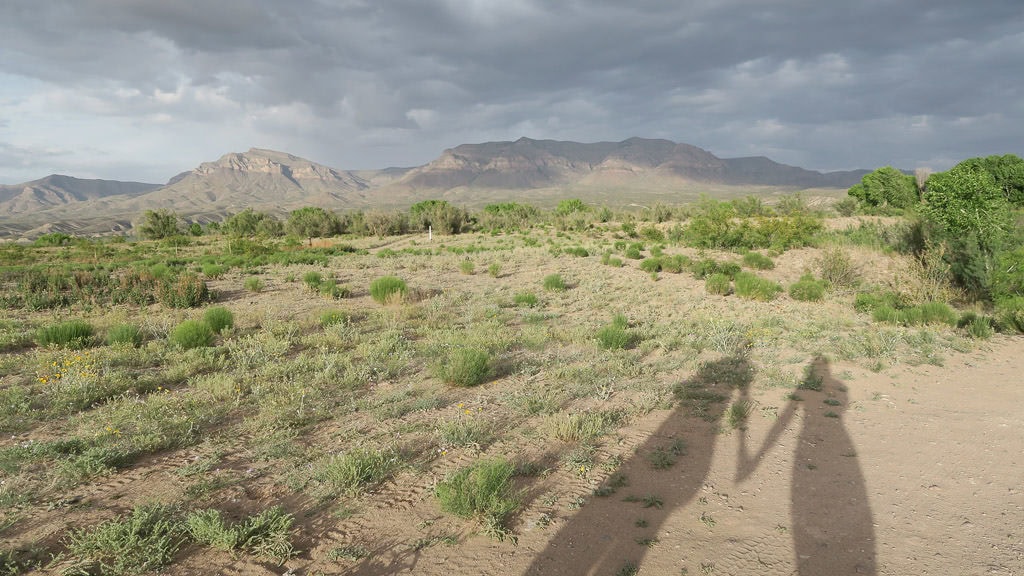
x=361, y=83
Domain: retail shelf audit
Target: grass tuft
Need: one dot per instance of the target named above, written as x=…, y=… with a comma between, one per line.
x=388, y=289
x=192, y=334
x=73, y=334
x=482, y=491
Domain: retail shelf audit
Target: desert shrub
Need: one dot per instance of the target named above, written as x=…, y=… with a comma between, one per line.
x=674, y=264
x=186, y=290
x=192, y=334
x=869, y=301
x=807, y=289
x=145, y=540
x=614, y=262
x=254, y=284
x=464, y=367
x=481, y=491
x=585, y=425
x=578, y=251
x=467, y=267
x=214, y=271
x=218, y=318
x=388, y=289
x=927, y=313
x=70, y=334
x=1010, y=314
x=758, y=261
x=525, y=299
x=125, y=334
x=267, y=534
x=554, y=283
x=756, y=288
x=651, y=265
x=331, y=289
x=718, y=283
x=653, y=234
x=703, y=268
x=357, y=470
x=332, y=317
x=835, y=267
x=312, y=280
x=494, y=269
x=616, y=335
x=634, y=251
x=978, y=326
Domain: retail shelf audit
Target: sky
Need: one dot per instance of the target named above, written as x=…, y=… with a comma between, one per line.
x=144, y=89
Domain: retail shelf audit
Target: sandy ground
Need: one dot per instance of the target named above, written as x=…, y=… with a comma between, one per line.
x=915, y=471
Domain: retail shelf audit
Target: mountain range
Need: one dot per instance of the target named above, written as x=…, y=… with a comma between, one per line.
x=536, y=171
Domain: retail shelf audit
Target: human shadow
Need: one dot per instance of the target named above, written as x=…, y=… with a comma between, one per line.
x=832, y=524
x=667, y=471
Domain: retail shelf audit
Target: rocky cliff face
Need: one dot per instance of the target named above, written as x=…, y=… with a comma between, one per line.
x=58, y=190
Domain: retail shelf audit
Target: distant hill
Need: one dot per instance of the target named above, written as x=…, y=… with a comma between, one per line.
x=58, y=190
x=536, y=171
x=529, y=164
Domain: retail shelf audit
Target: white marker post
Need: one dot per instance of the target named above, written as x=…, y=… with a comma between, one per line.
x=430, y=233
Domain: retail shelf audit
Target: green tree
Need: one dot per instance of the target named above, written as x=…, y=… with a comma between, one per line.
x=443, y=217
x=195, y=229
x=968, y=202
x=1006, y=170
x=886, y=186
x=251, y=223
x=312, y=222
x=159, y=224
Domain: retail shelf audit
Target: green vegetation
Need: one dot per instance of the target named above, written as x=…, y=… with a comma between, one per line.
x=756, y=288
x=324, y=408
x=192, y=334
x=125, y=334
x=464, y=367
x=388, y=289
x=482, y=491
x=554, y=283
x=807, y=289
x=70, y=334
x=145, y=540
x=218, y=318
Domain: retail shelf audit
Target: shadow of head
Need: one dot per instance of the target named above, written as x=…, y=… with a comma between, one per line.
x=705, y=393
x=819, y=378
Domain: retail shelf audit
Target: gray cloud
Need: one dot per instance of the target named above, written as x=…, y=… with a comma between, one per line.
x=357, y=83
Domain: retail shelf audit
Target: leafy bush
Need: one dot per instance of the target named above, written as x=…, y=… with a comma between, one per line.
x=525, y=299
x=807, y=289
x=125, y=334
x=192, y=334
x=482, y=491
x=465, y=367
x=70, y=334
x=718, y=283
x=554, y=283
x=186, y=290
x=145, y=540
x=218, y=318
x=756, y=288
x=388, y=289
